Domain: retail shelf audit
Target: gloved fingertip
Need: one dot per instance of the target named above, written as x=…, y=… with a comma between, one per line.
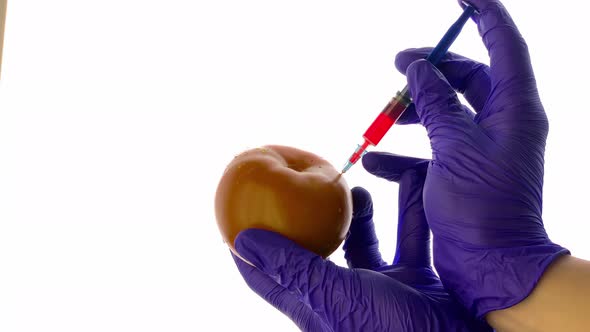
x=362, y=204
x=404, y=58
x=248, y=244
x=371, y=162
x=244, y=268
x=358, y=191
x=382, y=165
x=234, y=256
x=240, y=261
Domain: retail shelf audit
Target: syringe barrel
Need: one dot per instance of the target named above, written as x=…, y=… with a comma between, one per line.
x=387, y=117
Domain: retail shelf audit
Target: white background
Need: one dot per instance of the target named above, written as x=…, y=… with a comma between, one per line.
x=117, y=118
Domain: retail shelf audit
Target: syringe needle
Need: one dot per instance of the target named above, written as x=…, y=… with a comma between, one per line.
x=347, y=166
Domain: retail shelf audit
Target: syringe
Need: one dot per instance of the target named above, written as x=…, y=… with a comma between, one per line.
x=402, y=100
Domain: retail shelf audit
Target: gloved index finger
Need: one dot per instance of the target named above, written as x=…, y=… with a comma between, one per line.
x=466, y=76
x=508, y=51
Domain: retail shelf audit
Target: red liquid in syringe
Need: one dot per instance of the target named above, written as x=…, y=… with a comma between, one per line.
x=380, y=126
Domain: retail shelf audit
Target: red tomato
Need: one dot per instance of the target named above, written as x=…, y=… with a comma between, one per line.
x=283, y=189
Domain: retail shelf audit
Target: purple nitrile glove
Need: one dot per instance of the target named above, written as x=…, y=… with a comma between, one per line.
x=483, y=192
x=318, y=295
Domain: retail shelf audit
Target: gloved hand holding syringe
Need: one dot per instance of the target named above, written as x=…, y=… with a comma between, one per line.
x=402, y=100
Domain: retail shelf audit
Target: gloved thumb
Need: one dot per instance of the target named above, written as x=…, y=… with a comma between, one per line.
x=437, y=105
x=291, y=266
x=279, y=297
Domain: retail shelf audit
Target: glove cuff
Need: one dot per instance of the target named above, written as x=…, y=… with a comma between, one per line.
x=489, y=280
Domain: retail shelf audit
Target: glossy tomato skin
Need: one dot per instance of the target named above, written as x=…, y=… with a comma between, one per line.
x=290, y=191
